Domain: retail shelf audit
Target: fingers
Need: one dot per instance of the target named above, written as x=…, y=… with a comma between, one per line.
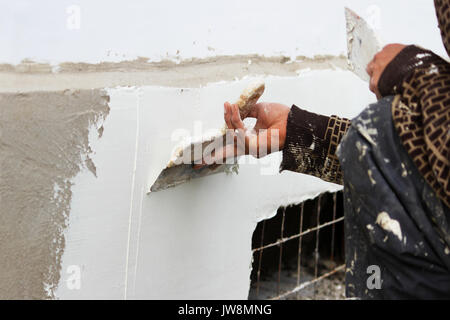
x=198, y=166
x=232, y=116
x=202, y=165
x=379, y=62
x=227, y=115
x=236, y=120
x=372, y=84
x=219, y=156
x=369, y=68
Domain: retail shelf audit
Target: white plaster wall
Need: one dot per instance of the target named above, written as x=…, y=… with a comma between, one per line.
x=192, y=241
x=116, y=30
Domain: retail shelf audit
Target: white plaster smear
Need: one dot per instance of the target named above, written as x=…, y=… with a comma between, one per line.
x=192, y=241
x=389, y=224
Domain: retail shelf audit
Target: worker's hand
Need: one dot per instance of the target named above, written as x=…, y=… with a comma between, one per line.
x=271, y=120
x=379, y=62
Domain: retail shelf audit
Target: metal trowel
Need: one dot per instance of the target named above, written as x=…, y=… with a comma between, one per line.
x=362, y=43
x=180, y=169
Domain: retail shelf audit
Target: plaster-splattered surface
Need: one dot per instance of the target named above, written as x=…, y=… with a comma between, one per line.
x=43, y=145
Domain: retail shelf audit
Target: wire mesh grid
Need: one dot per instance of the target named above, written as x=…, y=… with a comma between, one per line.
x=296, y=250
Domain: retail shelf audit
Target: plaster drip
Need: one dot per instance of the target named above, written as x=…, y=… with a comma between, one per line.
x=136, y=148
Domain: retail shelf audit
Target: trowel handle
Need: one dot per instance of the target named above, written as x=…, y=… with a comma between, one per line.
x=248, y=99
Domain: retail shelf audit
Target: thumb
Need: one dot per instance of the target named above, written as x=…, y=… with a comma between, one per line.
x=236, y=120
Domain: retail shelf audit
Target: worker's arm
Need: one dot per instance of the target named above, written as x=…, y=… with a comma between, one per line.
x=308, y=140
x=420, y=81
x=443, y=15
x=311, y=142
x=312, y=139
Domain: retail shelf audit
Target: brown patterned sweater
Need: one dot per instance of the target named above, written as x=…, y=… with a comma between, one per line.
x=420, y=82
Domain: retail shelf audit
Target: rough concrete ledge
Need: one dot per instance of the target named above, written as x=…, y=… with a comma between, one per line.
x=33, y=76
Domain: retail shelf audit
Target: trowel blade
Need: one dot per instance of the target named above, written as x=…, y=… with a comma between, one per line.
x=362, y=44
x=182, y=170
x=173, y=176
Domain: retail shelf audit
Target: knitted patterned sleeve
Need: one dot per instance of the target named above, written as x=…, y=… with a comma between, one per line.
x=420, y=81
x=311, y=142
x=443, y=15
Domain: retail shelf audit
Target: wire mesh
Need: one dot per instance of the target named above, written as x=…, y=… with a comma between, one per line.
x=291, y=263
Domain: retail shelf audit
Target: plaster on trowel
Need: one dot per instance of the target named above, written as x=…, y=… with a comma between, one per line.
x=180, y=167
x=362, y=43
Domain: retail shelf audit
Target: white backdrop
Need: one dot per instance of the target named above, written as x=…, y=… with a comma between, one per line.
x=85, y=30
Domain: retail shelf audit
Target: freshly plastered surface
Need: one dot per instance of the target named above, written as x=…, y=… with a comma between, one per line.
x=194, y=240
